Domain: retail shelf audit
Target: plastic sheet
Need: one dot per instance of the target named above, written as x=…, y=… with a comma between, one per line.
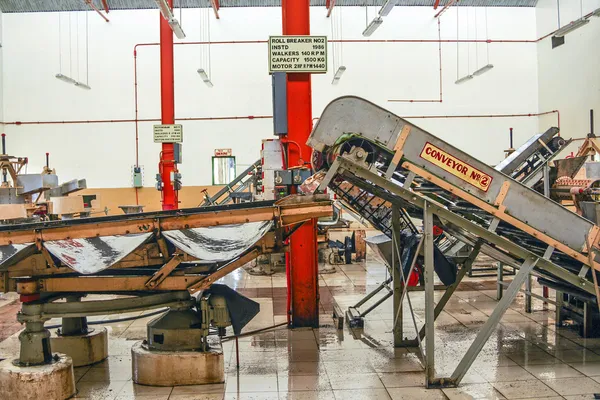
x=218, y=243
x=91, y=255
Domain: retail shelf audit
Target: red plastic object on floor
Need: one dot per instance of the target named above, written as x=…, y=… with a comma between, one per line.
x=413, y=279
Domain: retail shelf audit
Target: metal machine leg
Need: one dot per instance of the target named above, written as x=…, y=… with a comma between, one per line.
x=429, y=291
x=528, y=296
x=35, y=344
x=558, y=312
x=587, y=320
x=398, y=286
x=499, y=285
x=73, y=326
x=451, y=289
x=489, y=326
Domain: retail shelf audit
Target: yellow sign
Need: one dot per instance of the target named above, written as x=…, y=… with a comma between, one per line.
x=456, y=167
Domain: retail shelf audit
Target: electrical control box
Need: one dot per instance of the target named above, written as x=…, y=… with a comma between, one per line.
x=137, y=176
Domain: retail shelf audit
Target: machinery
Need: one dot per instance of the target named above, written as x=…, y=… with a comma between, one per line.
x=151, y=260
x=363, y=148
x=31, y=197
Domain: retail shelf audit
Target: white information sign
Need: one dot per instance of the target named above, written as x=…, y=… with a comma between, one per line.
x=168, y=133
x=298, y=54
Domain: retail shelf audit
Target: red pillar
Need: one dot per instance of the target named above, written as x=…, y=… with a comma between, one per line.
x=303, y=246
x=167, y=95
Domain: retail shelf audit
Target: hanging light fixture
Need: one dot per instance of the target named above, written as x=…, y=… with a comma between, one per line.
x=205, y=60
x=167, y=14
x=205, y=77
x=570, y=27
x=387, y=7
x=372, y=27
x=488, y=66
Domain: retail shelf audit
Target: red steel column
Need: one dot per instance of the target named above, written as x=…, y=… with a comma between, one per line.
x=167, y=95
x=303, y=247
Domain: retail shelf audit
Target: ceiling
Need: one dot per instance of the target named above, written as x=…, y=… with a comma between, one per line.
x=16, y=6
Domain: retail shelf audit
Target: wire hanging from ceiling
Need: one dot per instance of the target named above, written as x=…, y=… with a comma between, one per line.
x=337, y=47
x=205, y=55
x=69, y=79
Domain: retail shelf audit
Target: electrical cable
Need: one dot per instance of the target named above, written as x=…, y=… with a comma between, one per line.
x=59, y=49
x=476, y=44
x=468, y=49
x=87, y=53
x=457, y=52
x=487, y=37
x=77, y=44
x=70, y=49
x=227, y=338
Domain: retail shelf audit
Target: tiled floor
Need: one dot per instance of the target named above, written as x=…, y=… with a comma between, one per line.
x=526, y=357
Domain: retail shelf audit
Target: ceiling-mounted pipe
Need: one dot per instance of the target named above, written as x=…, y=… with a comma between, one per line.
x=93, y=7
x=447, y=6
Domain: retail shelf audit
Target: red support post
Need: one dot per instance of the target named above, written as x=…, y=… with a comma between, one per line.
x=167, y=94
x=303, y=247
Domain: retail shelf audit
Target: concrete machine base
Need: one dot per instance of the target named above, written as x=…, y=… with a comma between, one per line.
x=176, y=368
x=85, y=349
x=48, y=381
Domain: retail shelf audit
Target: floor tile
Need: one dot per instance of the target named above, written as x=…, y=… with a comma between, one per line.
x=355, y=381
x=473, y=391
x=199, y=396
x=298, y=383
x=552, y=371
x=251, y=384
x=505, y=374
x=300, y=368
x=402, y=379
x=573, y=386
x=362, y=394
x=252, y=396
x=416, y=393
x=99, y=390
x=133, y=390
x=196, y=389
x=533, y=389
x=589, y=369
x=308, y=395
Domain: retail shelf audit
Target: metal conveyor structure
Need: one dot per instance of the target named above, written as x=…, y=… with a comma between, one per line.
x=157, y=259
x=366, y=148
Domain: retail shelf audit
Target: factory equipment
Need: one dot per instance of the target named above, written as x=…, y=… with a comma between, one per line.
x=25, y=196
x=156, y=259
x=361, y=146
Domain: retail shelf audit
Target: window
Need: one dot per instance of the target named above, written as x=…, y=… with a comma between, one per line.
x=223, y=169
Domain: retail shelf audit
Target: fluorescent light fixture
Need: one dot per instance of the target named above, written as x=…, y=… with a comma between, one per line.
x=578, y=23
x=387, y=7
x=338, y=75
x=372, y=27
x=464, y=79
x=205, y=77
x=82, y=85
x=483, y=69
x=596, y=13
x=65, y=78
x=176, y=28
x=165, y=10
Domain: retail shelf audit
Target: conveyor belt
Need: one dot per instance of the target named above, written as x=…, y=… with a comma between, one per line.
x=386, y=146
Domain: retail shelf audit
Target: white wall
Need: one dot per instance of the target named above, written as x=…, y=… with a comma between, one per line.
x=569, y=75
x=1, y=72
x=104, y=153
